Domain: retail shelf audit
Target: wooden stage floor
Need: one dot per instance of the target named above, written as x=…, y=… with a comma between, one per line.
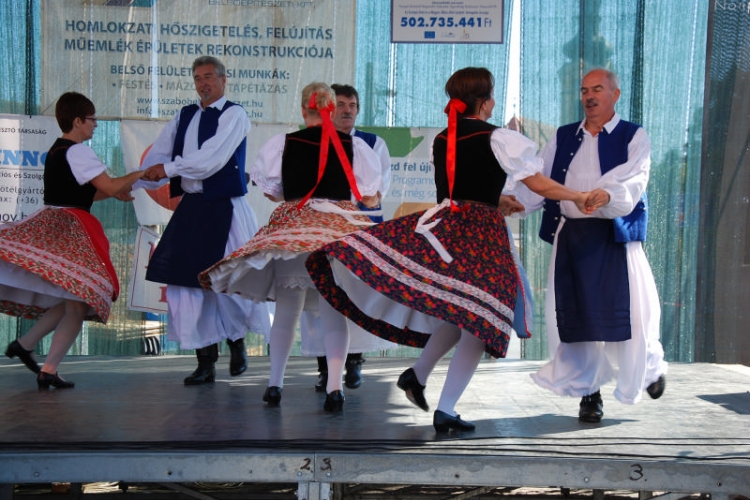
x=130, y=419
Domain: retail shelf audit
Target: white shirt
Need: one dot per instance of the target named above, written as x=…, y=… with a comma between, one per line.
x=84, y=163
x=381, y=150
x=196, y=164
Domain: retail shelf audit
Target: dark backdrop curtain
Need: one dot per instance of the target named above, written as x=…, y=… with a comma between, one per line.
x=722, y=319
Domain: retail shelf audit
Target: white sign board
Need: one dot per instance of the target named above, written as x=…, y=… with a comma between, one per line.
x=438, y=21
x=145, y=296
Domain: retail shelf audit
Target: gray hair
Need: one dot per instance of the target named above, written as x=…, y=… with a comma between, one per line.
x=614, y=80
x=221, y=70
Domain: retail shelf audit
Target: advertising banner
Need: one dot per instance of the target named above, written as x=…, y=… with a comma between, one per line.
x=145, y=296
x=24, y=142
x=134, y=61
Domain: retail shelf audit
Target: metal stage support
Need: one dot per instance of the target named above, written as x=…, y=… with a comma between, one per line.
x=315, y=473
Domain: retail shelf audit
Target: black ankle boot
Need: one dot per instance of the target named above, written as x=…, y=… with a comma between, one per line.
x=238, y=357
x=591, y=408
x=322, y=382
x=353, y=377
x=206, y=371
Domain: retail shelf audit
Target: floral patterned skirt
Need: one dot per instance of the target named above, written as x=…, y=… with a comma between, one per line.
x=53, y=255
x=291, y=234
x=400, y=284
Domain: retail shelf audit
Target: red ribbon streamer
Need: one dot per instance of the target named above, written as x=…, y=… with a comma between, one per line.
x=329, y=134
x=454, y=107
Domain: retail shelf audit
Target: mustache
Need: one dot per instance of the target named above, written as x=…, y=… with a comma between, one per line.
x=591, y=101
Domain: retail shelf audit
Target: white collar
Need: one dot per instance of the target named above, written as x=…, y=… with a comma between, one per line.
x=609, y=126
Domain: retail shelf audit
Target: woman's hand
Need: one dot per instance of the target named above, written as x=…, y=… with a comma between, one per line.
x=509, y=205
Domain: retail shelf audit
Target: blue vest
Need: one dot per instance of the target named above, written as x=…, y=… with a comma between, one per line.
x=367, y=137
x=230, y=181
x=613, y=151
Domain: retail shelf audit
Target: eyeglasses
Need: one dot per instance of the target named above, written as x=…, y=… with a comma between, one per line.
x=92, y=118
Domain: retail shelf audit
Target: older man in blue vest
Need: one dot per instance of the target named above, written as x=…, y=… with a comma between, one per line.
x=202, y=152
x=602, y=306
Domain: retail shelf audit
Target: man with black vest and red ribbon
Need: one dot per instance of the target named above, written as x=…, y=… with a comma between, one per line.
x=602, y=305
x=202, y=153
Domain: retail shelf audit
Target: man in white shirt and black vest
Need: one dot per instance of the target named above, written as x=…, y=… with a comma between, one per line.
x=202, y=153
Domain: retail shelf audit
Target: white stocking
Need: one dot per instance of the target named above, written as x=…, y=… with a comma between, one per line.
x=460, y=371
x=440, y=343
x=336, y=340
x=65, y=334
x=42, y=327
x=289, y=303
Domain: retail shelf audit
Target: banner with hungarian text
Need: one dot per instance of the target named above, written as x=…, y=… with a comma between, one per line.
x=134, y=61
x=24, y=142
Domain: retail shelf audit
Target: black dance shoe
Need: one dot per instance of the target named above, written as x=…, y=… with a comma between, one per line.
x=591, y=409
x=656, y=389
x=353, y=377
x=334, y=402
x=15, y=350
x=237, y=357
x=272, y=396
x=44, y=380
x=444, y=422
x=322, y=382
x=414, y=390
x=204, y=374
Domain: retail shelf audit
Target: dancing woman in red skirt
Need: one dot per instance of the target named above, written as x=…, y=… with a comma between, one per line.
x=55, y=265
x=444, y=277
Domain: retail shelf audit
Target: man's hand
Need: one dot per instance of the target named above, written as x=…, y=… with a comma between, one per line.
x=580, y=202
x=155, y=173
x=597, y=199
x=509, y=205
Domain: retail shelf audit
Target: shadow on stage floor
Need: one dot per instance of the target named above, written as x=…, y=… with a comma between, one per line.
x=131, y=419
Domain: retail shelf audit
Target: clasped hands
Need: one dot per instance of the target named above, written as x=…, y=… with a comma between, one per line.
x=587, y=204
x=154, y=173
x=595, y=199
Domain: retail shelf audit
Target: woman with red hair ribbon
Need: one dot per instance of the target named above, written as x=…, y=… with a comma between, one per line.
x=445, y=277
x=317, y=173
